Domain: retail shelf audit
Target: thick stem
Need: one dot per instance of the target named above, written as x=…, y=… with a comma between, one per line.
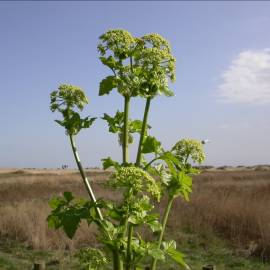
x=83, y=175
x=164, y=223
x=125, y=131
x=129, y=251
x=116, y=260
x=144, y=125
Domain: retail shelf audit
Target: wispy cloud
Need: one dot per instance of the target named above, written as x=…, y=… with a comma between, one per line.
x=247, y=80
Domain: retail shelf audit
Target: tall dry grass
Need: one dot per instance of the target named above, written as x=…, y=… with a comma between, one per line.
x=233, y=204
x=24, y=207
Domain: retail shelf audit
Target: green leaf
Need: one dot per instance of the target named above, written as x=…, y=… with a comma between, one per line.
x=168, y=245
x=155, y=226
x=171, y=161
x=68, y=212
x=180, y=184
x=115, y=123
x=170, y=250
x=151, y=145
x=109, y=62
x=55, y=202
x=169, y=156
x=108, y=162
x=68, y=196
x=106, y=85
x=87, y=122
x=70, y=224
x=53, y=222
x=135, y=126
x=156, y=253
x=167, y=92
x=61, y=123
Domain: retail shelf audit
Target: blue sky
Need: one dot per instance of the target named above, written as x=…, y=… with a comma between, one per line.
x=222, y=89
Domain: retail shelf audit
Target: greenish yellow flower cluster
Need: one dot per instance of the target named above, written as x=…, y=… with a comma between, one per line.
x=188, y=148
x=118, y=41
x=67, y=100
x=137, y=180
x=141, y=66
x=69, y=96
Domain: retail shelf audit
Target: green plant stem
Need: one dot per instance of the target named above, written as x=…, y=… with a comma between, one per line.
x=117, y=265
x=116, y=258
x=83, y=175
x=164, y=223
x=125, y=150
x=149, y=163
x=144, y=125
x=125, y=132
x=129, y=251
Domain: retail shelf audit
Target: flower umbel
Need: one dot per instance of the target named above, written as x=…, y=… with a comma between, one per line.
x=137, y=180
x=189, y=148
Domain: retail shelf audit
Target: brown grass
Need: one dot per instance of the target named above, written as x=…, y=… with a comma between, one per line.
x=233, y=204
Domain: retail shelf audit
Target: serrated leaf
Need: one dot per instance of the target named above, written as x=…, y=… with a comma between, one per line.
x=150, y=145
x=108, y=162
x=53, y=222
x=155, y=226
x=156, y=254
x=177, y=256
x=61, y=123
x=87, y=122
x=168, y=245
x=55, y=202
x=115, y=123
x=135, y=126
x=70, y=224
x=106, y=85
x=68, y=196
x=110, y=61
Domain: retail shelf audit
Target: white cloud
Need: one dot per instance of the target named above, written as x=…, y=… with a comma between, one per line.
x=247, y=80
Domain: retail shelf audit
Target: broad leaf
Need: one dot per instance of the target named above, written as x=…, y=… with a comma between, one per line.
x=151, y=145
x=109, y=62
x=106, y=85
x=135, y=126
x=68, y=196
x=108, y=162
x=115, y=123
x=156, y=253
x=170, y=250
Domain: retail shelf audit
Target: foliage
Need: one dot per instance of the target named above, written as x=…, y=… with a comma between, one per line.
x=66, y=100
x=141, y=67
x=116, y=125
x=91, y=258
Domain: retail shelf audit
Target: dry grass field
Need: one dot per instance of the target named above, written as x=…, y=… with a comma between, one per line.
x=230, y=204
